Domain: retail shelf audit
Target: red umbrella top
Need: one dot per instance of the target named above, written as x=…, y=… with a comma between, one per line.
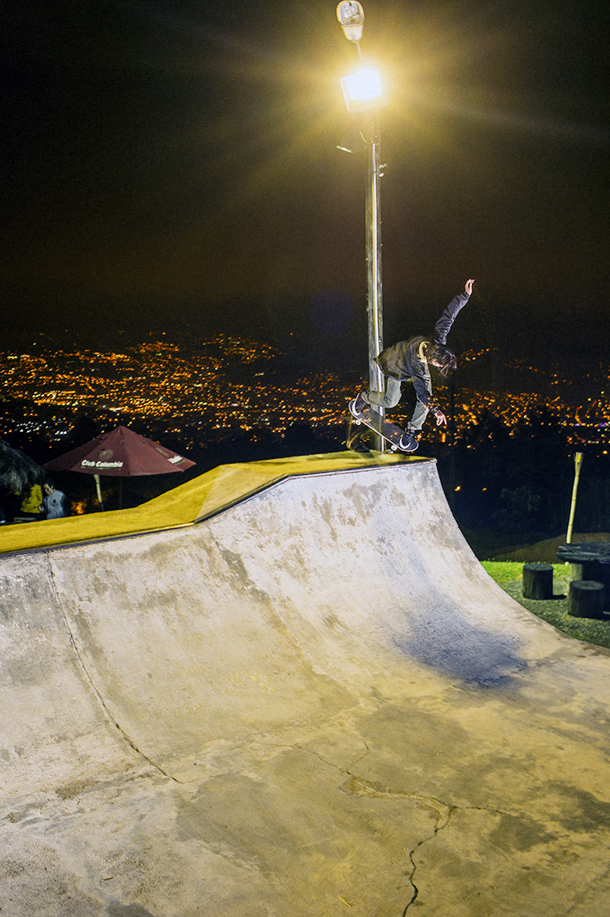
x=120, y=453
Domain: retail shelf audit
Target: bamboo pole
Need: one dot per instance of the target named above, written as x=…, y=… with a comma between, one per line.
x=577, y=464
x=98, y=487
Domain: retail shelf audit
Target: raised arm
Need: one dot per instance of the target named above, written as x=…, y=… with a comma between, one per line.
x=443, y=325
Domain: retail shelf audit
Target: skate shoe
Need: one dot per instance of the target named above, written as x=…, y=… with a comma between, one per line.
x=408, y=442
x=357, y=405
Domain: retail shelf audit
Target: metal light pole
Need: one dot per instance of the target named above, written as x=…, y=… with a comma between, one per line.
x=363, y=93
x=373, y=258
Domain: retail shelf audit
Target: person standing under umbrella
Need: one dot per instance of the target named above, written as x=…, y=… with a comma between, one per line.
x=55, y=503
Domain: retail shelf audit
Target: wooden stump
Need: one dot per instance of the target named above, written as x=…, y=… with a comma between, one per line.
x=586, y=599
x=537, y=581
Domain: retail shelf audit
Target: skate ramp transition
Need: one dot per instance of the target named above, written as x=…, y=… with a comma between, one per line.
x=313, y=701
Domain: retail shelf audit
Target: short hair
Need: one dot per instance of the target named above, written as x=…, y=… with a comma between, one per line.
x=445, y=359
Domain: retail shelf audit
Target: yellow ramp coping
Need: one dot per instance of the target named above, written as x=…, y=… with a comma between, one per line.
x=188, y=503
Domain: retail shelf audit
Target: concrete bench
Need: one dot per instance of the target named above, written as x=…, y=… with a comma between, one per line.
x=537, y=581
x=589, y=560
x=586, y=599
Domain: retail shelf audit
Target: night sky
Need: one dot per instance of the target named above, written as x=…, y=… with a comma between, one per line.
x=172, y=162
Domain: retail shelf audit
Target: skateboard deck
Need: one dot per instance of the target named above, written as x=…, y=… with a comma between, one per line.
x=374, y=421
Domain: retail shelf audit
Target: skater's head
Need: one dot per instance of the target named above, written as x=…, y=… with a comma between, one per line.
x=440, y=356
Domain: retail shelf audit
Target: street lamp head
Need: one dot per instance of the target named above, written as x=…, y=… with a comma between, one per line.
x=351, y=16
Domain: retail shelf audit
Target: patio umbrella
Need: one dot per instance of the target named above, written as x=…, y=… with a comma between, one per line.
x=121, y=453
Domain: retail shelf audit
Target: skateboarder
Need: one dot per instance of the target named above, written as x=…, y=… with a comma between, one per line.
x=410, y=361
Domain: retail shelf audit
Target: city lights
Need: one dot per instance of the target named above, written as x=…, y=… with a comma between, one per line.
x=225, y=386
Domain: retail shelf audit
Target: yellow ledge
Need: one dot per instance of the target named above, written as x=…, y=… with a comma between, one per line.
x=188, y=503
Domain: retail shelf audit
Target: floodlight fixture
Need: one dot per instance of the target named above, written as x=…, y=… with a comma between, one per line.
x=351, y=16
x=363, y=90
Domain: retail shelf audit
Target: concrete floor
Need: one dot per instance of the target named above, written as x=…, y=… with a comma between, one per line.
x=314, y=702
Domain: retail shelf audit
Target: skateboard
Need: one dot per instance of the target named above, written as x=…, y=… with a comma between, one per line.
x=375, y=422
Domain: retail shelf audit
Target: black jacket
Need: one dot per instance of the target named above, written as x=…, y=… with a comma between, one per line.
x=401, y=360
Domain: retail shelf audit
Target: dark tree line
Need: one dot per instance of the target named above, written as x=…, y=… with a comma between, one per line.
x=520, y=477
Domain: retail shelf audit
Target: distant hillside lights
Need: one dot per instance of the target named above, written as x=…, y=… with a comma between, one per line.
x=593, y=422
x=197, y=389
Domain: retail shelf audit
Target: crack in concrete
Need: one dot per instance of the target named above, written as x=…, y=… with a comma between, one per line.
x=92, y=683
x=443, y=812
x=342, y=770
x=356, y=786
x=440, y=826
x=442, y=822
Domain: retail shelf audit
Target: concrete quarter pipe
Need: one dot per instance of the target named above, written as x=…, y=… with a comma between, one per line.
x=313, y=702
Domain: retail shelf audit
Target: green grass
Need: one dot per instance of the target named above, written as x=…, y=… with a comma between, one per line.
x=509, y=575
x=504, y=572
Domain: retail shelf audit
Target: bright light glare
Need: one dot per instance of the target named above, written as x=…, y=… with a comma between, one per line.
x=363, y=90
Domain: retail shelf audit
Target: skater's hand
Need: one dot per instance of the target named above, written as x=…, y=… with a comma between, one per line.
x=440, y=417
x=468, y=287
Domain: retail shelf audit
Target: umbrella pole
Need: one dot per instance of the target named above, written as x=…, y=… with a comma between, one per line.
x=99, y=490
